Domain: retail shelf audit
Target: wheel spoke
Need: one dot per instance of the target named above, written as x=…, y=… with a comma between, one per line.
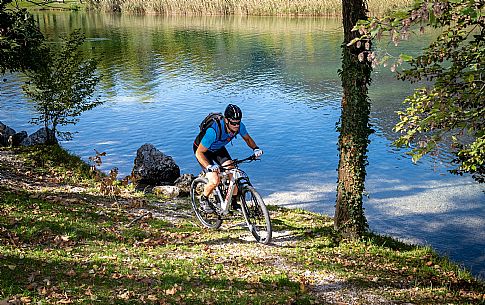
x=207, y=219
x=256, y=215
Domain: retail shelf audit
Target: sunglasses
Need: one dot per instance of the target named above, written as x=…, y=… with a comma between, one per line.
x=234, y=123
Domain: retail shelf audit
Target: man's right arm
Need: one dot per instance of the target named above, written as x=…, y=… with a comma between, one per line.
x=205, y=144
x=199, y=154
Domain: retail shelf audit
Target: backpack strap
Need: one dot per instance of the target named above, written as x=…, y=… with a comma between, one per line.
x=219, y=137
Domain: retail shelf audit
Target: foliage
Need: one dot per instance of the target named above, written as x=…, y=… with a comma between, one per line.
x=354, y=128
x=20, y=39
x=451, y=109
x=62, y=88
x=109, y=185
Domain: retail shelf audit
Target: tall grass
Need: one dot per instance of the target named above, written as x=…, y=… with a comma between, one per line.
x=239, y=7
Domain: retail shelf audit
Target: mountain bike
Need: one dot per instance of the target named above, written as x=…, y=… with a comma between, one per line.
x=252, y=206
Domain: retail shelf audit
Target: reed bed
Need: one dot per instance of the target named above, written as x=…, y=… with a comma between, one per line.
x=239, y=7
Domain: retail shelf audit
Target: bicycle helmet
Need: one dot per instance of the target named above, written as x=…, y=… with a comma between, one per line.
x=233, y=112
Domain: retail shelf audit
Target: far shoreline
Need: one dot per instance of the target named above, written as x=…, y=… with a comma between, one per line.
x=274, y=8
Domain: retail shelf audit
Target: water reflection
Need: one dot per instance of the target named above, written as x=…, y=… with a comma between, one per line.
x=227, y=51
x=162, y=75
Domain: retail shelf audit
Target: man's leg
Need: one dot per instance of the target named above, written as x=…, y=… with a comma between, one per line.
x=214, y=180
x=228, y=165
x=236, y=206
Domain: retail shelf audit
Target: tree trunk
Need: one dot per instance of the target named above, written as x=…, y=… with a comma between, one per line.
x=354, y=128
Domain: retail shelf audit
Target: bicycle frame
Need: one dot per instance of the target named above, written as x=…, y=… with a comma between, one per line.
x=237, y=178
x=253, y=208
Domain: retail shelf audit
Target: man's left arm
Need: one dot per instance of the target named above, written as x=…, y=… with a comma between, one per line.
x=250, y=142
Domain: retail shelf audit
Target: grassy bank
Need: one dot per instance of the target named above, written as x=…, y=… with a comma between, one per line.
x=240, y=7
x=222, y=7
x=62, y=5
x=63, y=242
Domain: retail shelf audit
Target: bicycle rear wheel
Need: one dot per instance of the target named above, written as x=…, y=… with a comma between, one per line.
x=209, y=220
x=256, y=214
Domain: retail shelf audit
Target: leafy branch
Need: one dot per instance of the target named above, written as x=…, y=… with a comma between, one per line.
x=63, y=86
x=450, y=110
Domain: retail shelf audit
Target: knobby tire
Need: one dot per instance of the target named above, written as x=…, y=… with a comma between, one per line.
x=256, y=214
x=208, y=220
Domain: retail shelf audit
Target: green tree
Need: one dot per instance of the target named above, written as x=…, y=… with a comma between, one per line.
x=62, y=87
x=20, y=39
x=450, y=110
x=354, y=126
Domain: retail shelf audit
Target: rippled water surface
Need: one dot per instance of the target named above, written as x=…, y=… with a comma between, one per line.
x=162, y=75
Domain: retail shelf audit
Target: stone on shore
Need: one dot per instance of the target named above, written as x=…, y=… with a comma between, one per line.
x=38, y=137
x=183, y=183
x=17, y=138
x=153, y=167
x=5, y=133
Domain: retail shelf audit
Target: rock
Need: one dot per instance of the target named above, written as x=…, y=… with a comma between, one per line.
x=153, y=167
x=169, y=191
x=38, y=137
x=183, y=183
x=16, y=139
x=5, y=133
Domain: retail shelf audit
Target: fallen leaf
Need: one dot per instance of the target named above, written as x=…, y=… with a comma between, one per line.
x=173, y=290
x=71, y=273
x=125, y=296
x=84, y=275
x=88, y=291
x=303, y=284
x=31, y=286
x=31, y=277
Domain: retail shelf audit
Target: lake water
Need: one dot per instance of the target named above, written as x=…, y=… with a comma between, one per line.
x=162, y=75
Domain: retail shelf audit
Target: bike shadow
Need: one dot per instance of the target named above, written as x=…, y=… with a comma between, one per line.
x=283, y=235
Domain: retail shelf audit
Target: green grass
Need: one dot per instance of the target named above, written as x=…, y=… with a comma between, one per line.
x=84, y=252
x=54, y=160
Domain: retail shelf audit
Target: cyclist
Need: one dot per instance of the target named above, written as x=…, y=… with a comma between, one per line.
x=211, y=152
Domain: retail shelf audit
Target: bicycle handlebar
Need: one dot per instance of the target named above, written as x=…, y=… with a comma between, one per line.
x=250, y=159
x=235, y=162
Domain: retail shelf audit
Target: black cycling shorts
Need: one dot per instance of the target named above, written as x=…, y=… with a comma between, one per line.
x=219, y=156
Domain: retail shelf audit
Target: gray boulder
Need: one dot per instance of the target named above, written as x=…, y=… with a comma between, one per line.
x=153, y=167
x=38, y=137
x=5, y=133
x=183, y=183
x=17, y=138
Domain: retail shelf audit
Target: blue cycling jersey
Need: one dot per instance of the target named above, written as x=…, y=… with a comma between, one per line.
x=210, y=138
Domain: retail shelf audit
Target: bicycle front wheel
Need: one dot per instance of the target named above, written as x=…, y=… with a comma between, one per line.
x=211, y=219
x=256, y=214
